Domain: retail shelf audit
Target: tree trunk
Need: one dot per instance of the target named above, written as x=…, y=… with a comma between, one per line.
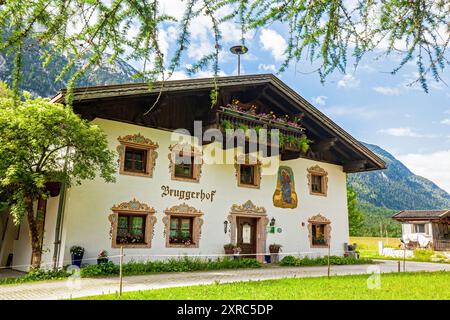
x=34, y=235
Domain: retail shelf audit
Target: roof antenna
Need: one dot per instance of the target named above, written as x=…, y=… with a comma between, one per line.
x=238, y=50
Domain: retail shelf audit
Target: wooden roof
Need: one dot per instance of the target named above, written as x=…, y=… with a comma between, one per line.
x=337, y=145
x=406, y=215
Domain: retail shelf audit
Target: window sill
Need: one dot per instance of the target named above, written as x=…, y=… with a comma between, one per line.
x=132, y=245
x=185, y=179
x=136, y=174
x=318, y=194
x=180, y=245
x=319, y=246
x=251, y=186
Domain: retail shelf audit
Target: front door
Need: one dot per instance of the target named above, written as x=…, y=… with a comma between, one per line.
x=246, y=236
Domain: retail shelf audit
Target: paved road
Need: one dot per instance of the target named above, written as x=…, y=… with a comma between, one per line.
x=73, y=288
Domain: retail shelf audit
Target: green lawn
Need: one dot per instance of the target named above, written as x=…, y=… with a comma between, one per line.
x=368, y=248
x=433, y=285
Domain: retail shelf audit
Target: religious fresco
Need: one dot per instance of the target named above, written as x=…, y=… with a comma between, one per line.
x=285, y=195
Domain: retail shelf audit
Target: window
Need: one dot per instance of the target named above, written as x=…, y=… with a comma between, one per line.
x=181, y=230
x=137, y=155
x=130, y=229
x=135, y=160
x=318, y=235
x=317, y=181
x=132, y=225
x=182, y=226
x=185, y=162
x=419, y=228
x=184, y=167
x=247, y=174
x=319, y=231
x=248, y=171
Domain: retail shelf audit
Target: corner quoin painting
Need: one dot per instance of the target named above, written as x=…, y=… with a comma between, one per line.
x=285, y=195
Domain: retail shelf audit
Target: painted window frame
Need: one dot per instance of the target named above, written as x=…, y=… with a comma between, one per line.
x=186, y=150
x=318, y=171
x=248, y=160
x=319, y=220
x=133, y=208
x=185, y=211
x=137, y=142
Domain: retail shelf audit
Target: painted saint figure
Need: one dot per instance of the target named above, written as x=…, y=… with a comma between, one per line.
x=285, y=186
x=285, y=195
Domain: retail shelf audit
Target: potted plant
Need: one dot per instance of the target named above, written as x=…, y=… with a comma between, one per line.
x=102, y=257
x=77, y=253
x=275, y=248
x=229, y=248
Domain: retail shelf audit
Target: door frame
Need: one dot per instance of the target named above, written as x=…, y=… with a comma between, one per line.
x=249, y=210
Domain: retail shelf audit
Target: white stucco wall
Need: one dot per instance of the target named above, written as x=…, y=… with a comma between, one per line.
x=407, y=228
x=88, y=206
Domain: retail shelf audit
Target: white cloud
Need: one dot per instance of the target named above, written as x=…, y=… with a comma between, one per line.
x=404, y=132
x=425, y=165
x=273, y=42
x=366, y=68
x=320, y=100
x=446, y=121
x=267, y=67
x=348, y=82
x=388, y=91
x=348, y=111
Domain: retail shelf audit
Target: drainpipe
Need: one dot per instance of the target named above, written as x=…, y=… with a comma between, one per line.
x=58, y=228
x=59, y=218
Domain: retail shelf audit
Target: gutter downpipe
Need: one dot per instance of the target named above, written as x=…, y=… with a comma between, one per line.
x=59, y=219
x=58, y=228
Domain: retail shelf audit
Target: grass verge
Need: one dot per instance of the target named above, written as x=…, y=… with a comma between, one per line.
x=393, y=286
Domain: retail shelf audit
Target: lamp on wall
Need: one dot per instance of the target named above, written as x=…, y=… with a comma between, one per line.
x=225, y=226
x=272, y=222
x=272, y=225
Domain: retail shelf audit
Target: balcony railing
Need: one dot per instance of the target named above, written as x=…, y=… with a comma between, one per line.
x=237, y=120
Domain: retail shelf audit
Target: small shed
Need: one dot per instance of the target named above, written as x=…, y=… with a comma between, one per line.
x=434, y=224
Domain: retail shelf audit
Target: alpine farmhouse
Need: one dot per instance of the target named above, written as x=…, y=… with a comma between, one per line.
x=161, y=207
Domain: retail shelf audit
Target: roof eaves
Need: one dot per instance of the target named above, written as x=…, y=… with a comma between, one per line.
x=333, y=126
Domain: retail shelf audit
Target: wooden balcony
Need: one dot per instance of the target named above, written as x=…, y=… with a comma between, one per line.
x=241, y=120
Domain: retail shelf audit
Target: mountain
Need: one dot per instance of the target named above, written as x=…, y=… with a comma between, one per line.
x=40, y=81
x=397, y=187
x=382, y=193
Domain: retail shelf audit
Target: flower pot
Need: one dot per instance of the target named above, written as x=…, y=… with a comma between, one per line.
x=274, y=257
x=229, y=250
x=76, y=260
x=102, y=260
x=274, y=250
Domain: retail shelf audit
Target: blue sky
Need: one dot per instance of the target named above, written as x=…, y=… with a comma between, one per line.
x=370, y=103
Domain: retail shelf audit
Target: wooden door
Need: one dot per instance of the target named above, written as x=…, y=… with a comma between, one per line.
x=246, y=236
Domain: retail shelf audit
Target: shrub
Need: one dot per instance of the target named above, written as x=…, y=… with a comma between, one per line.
x=423, y=254
x=134, y=268
x=322, y=261
x=172, y=265
x=97, y=270
x=37, y=275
